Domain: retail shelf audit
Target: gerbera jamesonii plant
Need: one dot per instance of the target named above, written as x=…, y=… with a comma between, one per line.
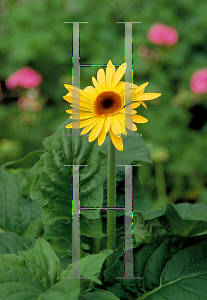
x=109, y=106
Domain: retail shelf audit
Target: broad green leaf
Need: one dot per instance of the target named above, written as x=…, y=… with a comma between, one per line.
x=182, y=219
x=98, y=295
x=63, y=290
x=53, y=183
x=42, y=261
x=140, y=200
x=91, y=228
x=26, y=162
x=89, y=266
x=16, y=280
x=61, y=232
x=23, y=167
x=11, y=242
x=171, y=268
x=134, y=150
x=17, y=211
x=58, y=229
x=32, y=277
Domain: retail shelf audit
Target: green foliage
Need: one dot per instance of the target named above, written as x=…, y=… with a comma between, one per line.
x=18, y=211
x=11, y=242
x=89, y=266
x=46, y=45
x=33, y=274
x=163, y=237
x=171, y=267
x=169, y=246
x=182, y=219
x=98, y=294
x=53, y=182
x=134, y=150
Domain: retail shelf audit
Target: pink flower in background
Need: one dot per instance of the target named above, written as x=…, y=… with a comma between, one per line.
x=161, y=34
x=25, y=77
x=170, y=36
x=155, y=34
x=198, y=83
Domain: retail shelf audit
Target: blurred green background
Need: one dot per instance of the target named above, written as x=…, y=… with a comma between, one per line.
x=33, y=34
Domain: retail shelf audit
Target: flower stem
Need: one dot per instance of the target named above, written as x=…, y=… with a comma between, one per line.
x=111, y=202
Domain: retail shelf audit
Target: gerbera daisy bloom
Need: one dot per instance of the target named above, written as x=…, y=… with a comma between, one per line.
x=107, y=106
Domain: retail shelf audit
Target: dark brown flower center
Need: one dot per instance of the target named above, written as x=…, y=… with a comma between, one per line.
x=107, y=103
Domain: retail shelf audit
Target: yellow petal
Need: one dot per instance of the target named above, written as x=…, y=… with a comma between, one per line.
x=75, y=125
x=69, y=99
x=101, y=79
x=135, y=105
x=107, y=123
x=141, y=87
x=149, y=96
x=129, y=93
x=137, y=95
x=117, y=142
x=69, y=111
x=96, y=130
x=78, y=102
x=92, y=91
x=115, y=126
x=129, y=111
x=132, y=106
x=95, y=83
x=123, y=129
x=69, y=125
x=81, y=116
x=130, y=119
x=143, y=104
x=78, y=93
x=120, y=86
x=110, y=71
x=129, y=108
x=77, y=111
x=81, y=108
x=139, y=119
x=102, y=135
x=129, y=125
x=121, y=119
x=90, y=126
x=127, y=122
x=118, y=75
x=87, y=122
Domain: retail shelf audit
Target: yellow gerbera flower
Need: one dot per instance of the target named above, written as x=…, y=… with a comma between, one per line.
x=106, y=106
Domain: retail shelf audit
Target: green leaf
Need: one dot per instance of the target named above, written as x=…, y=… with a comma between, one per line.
x=140, y=199
x=42, y=261
x=53, y=183
x=89, y=266
x=63, y=290
x=134, y=150
x=26, y=162
x=23, y=166
x=11, y=242
x=61, y=233
x=16, y=279
x=91, y=228
x=182, y=219
x=171, y=268
x=98, y=294
x=32, y=275
x=17, y=212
